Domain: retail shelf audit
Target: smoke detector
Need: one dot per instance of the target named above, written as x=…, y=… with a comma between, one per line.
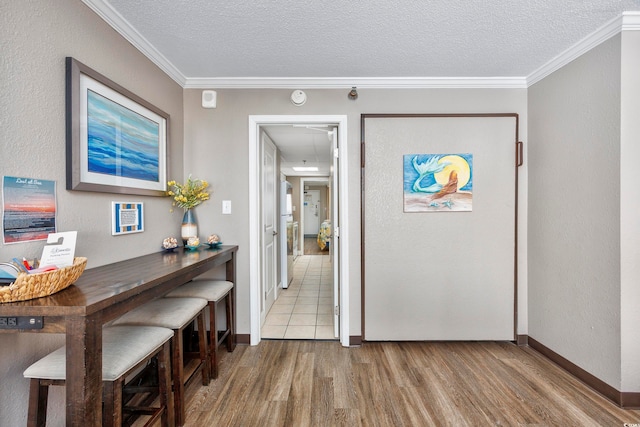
x=298, y=97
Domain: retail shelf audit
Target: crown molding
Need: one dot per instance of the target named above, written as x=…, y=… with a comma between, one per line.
x=626, y=21
x=359, y=82
x=631, y=21
x=124, y=28
x=105, y=11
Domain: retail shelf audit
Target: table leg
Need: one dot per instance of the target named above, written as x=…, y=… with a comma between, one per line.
x=84, y=372
x=231, y=277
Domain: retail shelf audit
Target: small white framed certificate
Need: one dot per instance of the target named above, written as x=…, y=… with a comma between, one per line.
x=126, y=218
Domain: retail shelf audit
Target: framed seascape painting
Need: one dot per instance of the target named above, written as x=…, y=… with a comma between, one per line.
x=116, y=141
x=438, y=182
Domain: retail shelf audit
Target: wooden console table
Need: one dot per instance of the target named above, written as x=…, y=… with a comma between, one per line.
x=101, y=295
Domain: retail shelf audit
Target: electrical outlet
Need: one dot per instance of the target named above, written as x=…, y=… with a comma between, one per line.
x=21, y=322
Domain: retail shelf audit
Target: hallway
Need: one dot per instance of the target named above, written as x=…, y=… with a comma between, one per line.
x=305, y=309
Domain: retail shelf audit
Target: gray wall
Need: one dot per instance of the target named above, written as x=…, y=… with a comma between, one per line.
x=217, y=149
x=574, y=212
x=35, y=38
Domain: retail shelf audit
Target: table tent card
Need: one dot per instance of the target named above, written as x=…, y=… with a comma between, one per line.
x=60, y=249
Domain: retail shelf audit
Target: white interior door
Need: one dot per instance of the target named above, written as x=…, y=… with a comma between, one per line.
x=439, y=275
x=269, y=225
x=334, y=247
x=312, y=207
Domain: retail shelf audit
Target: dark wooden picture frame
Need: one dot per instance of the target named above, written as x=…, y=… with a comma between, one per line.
x=116, y=141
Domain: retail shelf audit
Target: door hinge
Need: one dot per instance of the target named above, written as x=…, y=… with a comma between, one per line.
x=336, y=153
x=336, y=232
x=336, y=310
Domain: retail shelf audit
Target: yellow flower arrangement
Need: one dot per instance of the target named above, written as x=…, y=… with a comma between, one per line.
x=189, y=195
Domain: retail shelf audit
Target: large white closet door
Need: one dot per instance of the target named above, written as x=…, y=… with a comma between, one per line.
x=439, y=275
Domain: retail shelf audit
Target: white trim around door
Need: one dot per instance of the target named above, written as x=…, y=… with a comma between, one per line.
x=254, y=218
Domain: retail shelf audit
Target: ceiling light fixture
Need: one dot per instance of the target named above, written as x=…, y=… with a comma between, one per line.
x=305, y=168
x=353, y=94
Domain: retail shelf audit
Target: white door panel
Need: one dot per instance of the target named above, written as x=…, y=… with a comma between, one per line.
x=439, y=275
x=269, y=225
x=334, y=247
x=312, y=208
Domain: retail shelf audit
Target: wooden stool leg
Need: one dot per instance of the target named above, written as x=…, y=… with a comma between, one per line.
x=213, y=339
x=38, y=396
x=164, y=385
x=231, y=337
x=112, y=403
x=231, y=341
x=177, y=368
x=204, y=353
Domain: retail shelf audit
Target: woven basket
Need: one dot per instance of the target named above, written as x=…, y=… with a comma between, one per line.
x=36, y=285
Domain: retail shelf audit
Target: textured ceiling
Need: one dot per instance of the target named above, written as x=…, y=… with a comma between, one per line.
x=344, y=43
x=362, y=38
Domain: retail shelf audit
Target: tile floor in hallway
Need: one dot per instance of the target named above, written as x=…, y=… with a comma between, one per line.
x=305, y=309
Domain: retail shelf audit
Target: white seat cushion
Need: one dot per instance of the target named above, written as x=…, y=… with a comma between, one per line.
x=123, y=347
x=211, y=290
x=172, y=313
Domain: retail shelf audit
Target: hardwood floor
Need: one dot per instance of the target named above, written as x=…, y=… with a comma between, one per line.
x=315, y=383
x=311, y=247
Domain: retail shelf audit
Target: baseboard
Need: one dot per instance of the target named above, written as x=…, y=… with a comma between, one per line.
x=626, y=400
x=629, y=400
x=355, y=340
x=243, y=339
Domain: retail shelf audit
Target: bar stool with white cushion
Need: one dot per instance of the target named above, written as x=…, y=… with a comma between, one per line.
x=175, y=314
x=212, y=291
x=124, y=350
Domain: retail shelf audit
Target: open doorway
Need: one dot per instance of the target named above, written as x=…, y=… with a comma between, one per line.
x=304, y=303
x=338, y=195
x=315, y=215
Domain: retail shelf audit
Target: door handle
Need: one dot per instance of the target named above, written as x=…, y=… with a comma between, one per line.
x=275, y=233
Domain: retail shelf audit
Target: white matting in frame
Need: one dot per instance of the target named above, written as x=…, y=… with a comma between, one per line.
x=126, y=218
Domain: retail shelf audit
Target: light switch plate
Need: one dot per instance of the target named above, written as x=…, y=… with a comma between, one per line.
x=226, y=207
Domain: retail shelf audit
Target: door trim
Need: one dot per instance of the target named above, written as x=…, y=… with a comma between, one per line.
x=255, y=121
x=303, y=181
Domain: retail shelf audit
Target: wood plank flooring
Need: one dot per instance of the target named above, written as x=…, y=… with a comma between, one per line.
x=315, y=383
x=311, y=247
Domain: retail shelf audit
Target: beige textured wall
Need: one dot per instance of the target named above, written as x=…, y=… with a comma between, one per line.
x=35, y=38
x=574, y=212
x=217, y=148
